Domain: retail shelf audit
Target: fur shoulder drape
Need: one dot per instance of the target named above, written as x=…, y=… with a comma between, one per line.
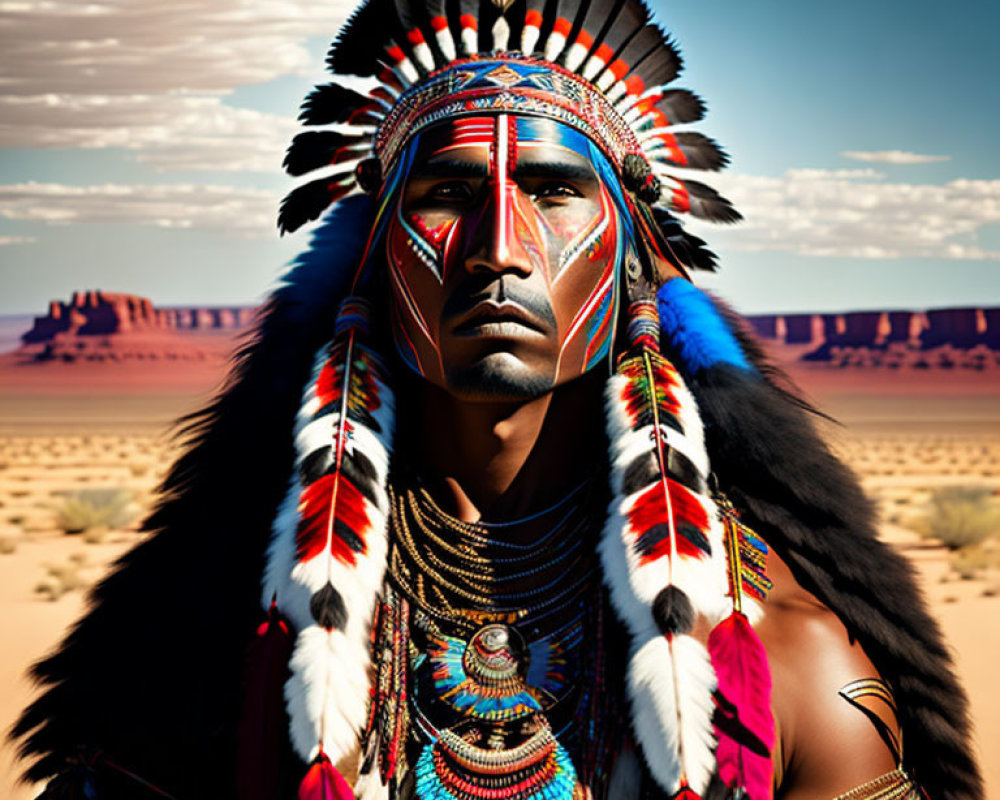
x=150, y=677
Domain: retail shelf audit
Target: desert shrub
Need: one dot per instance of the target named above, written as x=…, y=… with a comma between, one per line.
x=96, y=508
x=961, y=516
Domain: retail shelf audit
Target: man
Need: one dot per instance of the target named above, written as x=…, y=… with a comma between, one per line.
x=496, y=504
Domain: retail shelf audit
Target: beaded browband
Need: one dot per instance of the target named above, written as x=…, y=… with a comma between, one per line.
x=511, y=83
x=600, y=66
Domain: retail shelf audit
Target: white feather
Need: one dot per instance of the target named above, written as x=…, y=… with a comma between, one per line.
x=446, y=43
x=529, y=38
x=674, y=726
x=470, y=40
x=575, y=56
x=670, y=680
x=501, y=34
x=554, y=46
x=593, y=66
x=422, y=53
x=327, y=693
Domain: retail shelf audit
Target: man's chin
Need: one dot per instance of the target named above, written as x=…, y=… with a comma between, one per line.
x=498, y=377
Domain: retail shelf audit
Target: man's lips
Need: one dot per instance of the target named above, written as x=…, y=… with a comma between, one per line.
x=497, y=318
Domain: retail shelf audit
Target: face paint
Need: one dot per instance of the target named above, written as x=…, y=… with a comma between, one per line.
x=504, y=247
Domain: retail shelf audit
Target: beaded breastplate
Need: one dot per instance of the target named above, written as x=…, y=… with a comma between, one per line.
x=491, y=654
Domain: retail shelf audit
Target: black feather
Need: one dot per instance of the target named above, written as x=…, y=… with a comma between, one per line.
x=699, y=151
x=686, y=250
x=661, y=62
x=314, y=149
x=680, y=106
x=361, y=41
x=627, y=22
x=706, y=203
x=307, y=202
x=330, y=103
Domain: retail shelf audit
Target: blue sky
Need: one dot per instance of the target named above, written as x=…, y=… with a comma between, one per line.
x=141, y=142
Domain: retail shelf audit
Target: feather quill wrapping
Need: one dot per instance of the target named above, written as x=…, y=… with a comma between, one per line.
x=662, y=552
x=327, y=556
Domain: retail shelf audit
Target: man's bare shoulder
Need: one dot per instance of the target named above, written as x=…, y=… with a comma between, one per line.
x=830, y=743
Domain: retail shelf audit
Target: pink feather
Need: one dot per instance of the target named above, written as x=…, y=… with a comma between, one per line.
x=744, y=680
x=324, y=782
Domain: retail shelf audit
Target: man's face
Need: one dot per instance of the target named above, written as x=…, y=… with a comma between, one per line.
x=504, y=250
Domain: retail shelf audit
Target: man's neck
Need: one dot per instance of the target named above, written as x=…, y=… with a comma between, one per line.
x=502, y=461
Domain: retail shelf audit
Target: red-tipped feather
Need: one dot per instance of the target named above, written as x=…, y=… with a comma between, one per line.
x=744, y=681
x=263, y=723
x=324, y=782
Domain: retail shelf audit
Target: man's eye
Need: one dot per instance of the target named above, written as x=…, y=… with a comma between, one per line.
x=451, y=191
x=553, y=190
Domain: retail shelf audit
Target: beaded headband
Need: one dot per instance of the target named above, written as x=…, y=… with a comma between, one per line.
x=510, y=83
x=600, y=66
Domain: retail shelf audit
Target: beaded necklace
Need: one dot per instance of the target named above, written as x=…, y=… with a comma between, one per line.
x=491, y=647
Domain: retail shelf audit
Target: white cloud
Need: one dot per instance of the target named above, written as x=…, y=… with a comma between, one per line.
x=246, y=212
x=892, y=157
x=148, y=46
x=816, y=213
x=169, y=132
x=151, y=76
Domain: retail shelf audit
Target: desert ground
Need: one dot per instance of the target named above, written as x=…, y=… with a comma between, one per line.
x=105, y=427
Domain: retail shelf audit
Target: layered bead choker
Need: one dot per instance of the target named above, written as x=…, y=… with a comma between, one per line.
x=492, y=654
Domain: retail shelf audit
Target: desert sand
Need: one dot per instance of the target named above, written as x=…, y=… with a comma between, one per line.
x=105, y=426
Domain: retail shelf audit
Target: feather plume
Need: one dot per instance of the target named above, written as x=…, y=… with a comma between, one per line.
x=324, y=782
x=614, y=54
x=359, y=45
x=662, y=552
x=314, y=149
x=743, y=723
x=330, y=103
x=327, y=554
x=660, y=63
x=307, y=202
x=685, y=149
x=696, y=199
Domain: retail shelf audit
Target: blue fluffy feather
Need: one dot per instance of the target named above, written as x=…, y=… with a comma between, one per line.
x=695, y=329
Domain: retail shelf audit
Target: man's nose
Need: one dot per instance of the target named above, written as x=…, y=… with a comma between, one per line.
x=504, y=232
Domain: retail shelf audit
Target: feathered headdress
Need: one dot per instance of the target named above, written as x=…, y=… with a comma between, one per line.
x=601, y=66
x=700, y=712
